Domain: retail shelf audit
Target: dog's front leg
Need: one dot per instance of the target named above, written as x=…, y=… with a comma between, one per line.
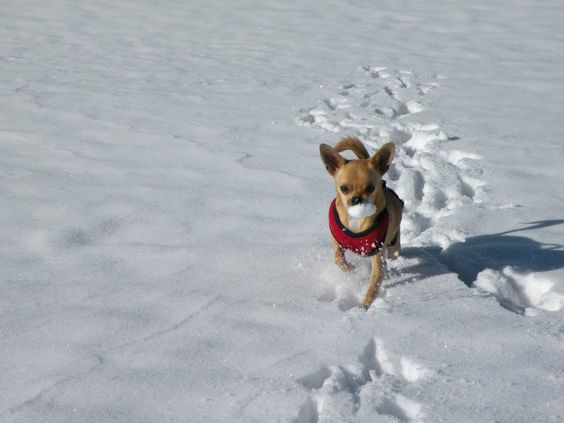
x=376, y=277
x=340, y=259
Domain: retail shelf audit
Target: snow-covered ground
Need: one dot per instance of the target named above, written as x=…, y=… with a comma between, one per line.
x=164, y=249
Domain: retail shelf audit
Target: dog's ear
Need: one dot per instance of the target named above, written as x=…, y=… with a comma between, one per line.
x=330, y=158
x=383, y=157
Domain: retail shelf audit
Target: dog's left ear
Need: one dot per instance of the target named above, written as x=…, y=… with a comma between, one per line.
x=383, y=157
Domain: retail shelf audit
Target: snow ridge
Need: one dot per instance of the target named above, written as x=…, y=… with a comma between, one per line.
x=520, y=293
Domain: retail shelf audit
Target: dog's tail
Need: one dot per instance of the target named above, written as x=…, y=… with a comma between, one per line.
x=353, y=144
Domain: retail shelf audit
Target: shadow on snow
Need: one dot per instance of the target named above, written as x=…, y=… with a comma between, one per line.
x=494, y=251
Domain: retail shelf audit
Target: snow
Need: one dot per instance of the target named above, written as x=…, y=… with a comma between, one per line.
x=520, y=293
x=361, y=210
x=165, y=253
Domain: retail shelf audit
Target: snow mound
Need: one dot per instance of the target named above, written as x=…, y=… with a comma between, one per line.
x=520, y=293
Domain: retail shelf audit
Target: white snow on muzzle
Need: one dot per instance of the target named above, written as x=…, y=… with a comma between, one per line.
x=362, y=210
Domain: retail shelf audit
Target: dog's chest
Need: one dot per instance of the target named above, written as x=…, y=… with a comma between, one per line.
x=354, y=223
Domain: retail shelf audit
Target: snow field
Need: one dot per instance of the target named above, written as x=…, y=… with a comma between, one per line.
x=164, y=245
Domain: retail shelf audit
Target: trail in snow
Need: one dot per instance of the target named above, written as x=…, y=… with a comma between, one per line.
x=434, y=181
x=372, y=383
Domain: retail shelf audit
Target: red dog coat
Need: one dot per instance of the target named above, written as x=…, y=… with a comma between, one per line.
x=366, y=243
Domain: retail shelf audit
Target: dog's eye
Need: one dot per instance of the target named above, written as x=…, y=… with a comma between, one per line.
x=344, y=189
x=370, y=189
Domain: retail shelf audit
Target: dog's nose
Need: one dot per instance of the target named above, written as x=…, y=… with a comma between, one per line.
x=356, y=200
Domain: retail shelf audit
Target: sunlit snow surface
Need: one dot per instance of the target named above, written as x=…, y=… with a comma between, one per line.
x=165, y=254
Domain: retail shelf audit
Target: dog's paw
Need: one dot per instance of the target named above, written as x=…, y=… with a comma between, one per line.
x=345, y=266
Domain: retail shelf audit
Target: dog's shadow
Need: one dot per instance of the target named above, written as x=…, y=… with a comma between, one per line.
x=494, y=251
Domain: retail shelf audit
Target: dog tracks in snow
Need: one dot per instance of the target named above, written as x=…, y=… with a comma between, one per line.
x=435, y=180
x=354, y=392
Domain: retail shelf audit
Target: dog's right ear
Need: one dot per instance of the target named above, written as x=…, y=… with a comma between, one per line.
x=330, y=158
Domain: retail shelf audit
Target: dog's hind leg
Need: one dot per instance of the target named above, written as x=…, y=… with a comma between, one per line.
x=376, y=277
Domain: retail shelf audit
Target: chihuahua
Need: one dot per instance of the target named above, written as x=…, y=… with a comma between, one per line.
x=365, y=215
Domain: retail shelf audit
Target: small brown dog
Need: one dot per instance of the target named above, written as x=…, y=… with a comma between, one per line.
x=365, y=216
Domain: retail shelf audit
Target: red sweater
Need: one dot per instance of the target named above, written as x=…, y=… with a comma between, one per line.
x=366, y=243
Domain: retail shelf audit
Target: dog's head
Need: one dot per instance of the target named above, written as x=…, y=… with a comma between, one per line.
x=357, y=181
